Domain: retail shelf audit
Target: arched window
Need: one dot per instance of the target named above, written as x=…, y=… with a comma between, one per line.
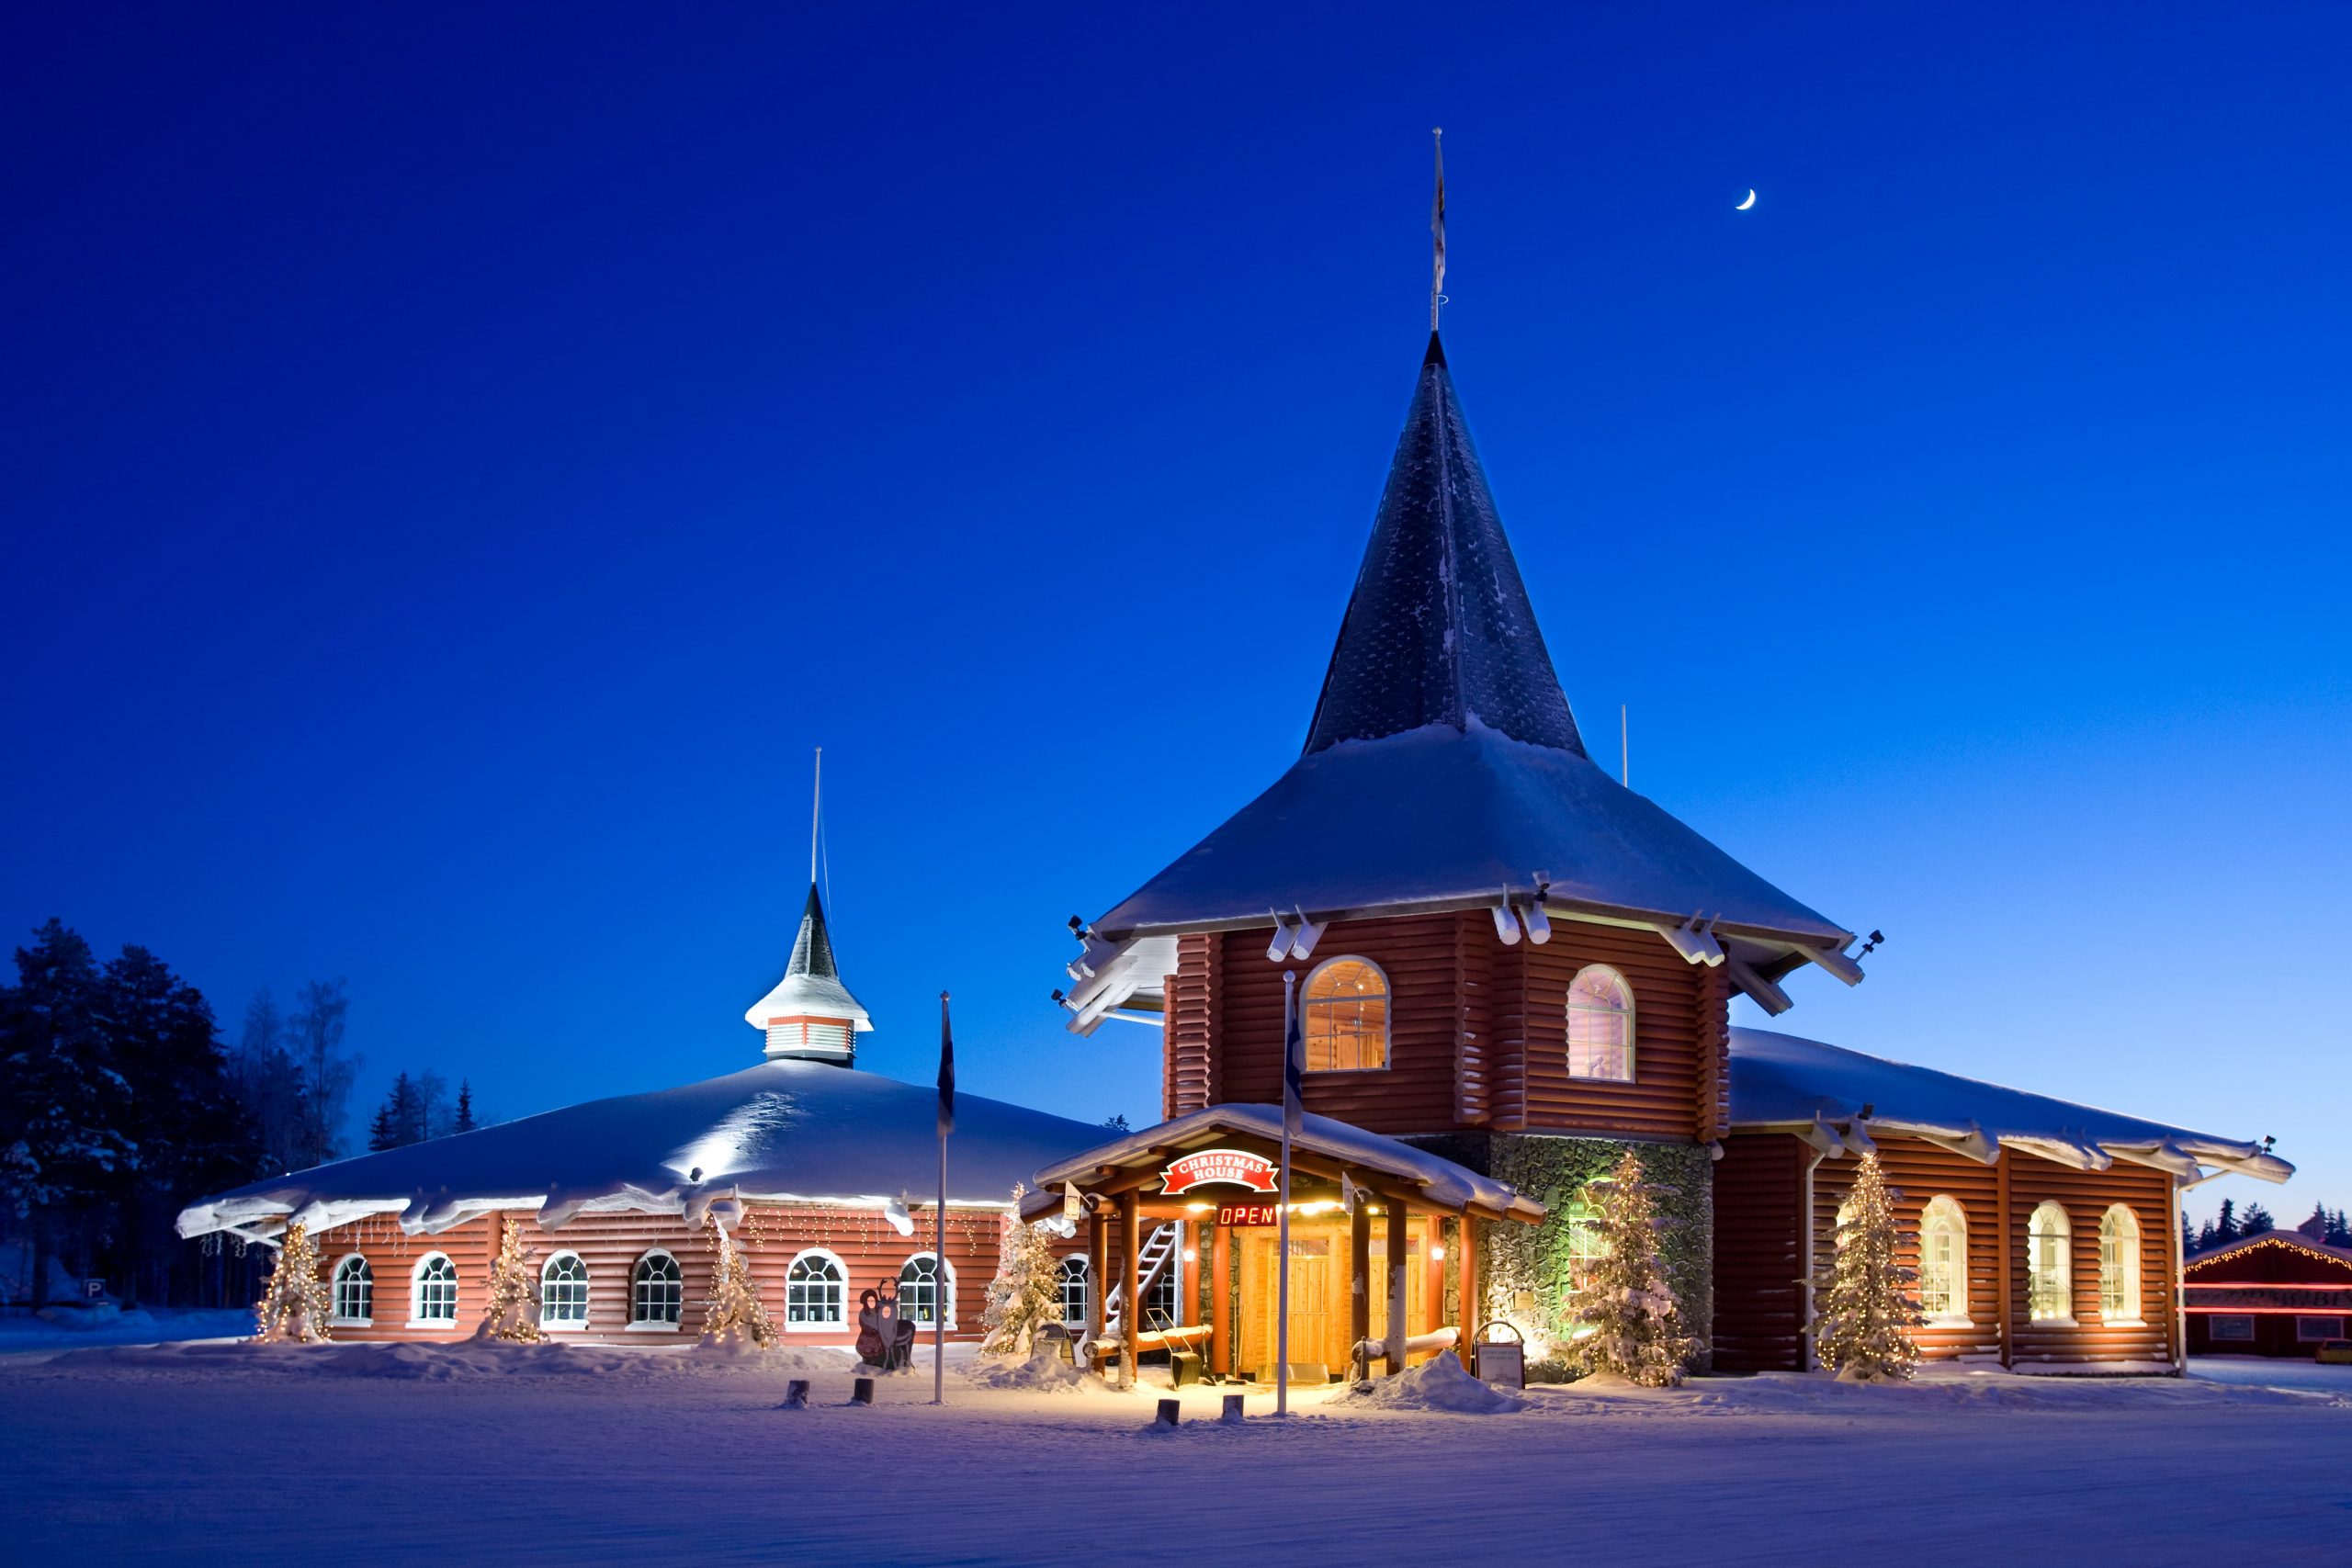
x=1600, y=1025
x=1071, y=1278
x=815, y=1291
x=1944, y=1263
x=657, y=1291
x=919, y=1290
x=1163, y=1301
x=563, y=1292
x=434, y=1290
x=1346, y=1017
x=1586, y=1250
x=355, y=1291
x=2119, y=1266
x=2049, y=1266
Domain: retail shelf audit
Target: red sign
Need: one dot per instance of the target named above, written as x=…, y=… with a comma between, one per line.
x=1218, y=1167
x=1248, y=1213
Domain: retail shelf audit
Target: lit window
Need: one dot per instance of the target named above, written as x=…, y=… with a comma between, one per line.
x=918, y=1290
x=1600, y=1025
x=2312, y=1330
x=1346, y=1017
x=435, y=1290
x=355, y=1291
x=563, y=1291
x=815, y=1292
x=2231, y=1325
x=1944, y=1263
x=1071, y=1278
x=2050, y=1266
x=1160, y=1300
x=2119, y=1266
x=657, y=1290
x=1586, y=1250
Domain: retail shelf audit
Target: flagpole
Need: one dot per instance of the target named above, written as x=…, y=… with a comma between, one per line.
x=1437, y=230
x=941, y=1288
x=1282, y=1220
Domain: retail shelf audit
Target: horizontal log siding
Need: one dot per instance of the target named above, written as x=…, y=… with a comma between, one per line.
x=1760, y=1254
x=1675, y=1024
x=1192, y=1019
x=610, y=1245
x=1415, y=1092
x=2086, y=1195
x=1920, y=1172
x=1476, y=1043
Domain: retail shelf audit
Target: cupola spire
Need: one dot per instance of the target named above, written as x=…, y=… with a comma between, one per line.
x=809, y=1013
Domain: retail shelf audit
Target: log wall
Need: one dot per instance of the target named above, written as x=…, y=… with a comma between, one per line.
x=1760, y=1253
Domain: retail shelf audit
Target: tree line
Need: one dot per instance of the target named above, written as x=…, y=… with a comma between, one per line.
x=2328, y=1227
x=120, y=1104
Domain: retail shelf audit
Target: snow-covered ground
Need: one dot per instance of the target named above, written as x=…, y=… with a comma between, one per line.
x=218, y=1452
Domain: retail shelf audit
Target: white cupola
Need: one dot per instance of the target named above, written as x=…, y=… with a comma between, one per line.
x=811, y=1014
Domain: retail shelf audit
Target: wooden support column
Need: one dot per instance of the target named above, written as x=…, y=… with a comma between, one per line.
x=2001, y=1163
x=1131, y=1288
x=1098, y=1277
x=1222, y=1355
x=1360, y=1288
x=1396, y=1355
x=1474, y=1306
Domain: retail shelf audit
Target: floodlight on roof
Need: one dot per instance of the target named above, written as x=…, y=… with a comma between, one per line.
x=1278, y=949
x=1309, y=932
x=1506, y=922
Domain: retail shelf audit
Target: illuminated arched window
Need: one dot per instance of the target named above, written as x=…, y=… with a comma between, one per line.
x=1944, y=1263
x=1600, y=1025
x=1070, y=1276
x=919, y=1290
x=2119, y=1266
x=657, y=1291
x=355, y=1291
x=815, y=1291
x=563, y=1292
x=433, y=1291
x=2050, y=1266
x=1346, y=1017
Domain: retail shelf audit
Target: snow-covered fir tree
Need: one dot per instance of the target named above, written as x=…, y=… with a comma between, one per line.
x=1635, y=1320
x=512, y=1311
x=1025, y=1295
x=1865, y=1311
x=734, y=1312
x=294, y=1306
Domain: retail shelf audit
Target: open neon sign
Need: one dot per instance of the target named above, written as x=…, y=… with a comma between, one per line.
x=1248, y=1213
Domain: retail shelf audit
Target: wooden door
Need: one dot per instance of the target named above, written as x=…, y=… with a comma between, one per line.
x=1319, y=1293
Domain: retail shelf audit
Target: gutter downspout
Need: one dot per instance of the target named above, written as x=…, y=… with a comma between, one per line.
x=1809, y=1259
x=2179, y=1273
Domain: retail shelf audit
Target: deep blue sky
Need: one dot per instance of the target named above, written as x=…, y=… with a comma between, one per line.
x=456, y=469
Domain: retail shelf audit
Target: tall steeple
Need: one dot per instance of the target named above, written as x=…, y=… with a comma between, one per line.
x=1439, y=629
x=811, y=1014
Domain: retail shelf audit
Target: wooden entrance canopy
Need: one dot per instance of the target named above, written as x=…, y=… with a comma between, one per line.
x=1128, y=1176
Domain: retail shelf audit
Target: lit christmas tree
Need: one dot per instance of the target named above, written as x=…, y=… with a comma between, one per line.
x=1025, y=1295
x=734, y=1312
x=294, y=1308
x=513, y=1313
x=1865, y=1311
x=1635, y=1321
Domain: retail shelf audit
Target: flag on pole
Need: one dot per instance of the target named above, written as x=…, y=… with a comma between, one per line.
x=946, y=1071
x=1293, y=1066
x=1437, y=230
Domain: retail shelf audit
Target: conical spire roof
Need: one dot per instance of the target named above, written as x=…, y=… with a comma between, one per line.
x=811, y=986
x=1439, y=629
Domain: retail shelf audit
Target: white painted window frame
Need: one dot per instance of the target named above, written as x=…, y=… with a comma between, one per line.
x=947, y=1267
x=1387, y=1014
x=1085, y=1286
x=334, y=1292
x=1943, y=1205
x=2065, y=1270
x=1567, y=1017
x=416, y=1318
x=565, y=1325
x=2134, y=1314
x=2302, y=1337
x=655, y=1325
x=841, y=1274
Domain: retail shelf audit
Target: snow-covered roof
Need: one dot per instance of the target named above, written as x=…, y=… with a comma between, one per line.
x=1441, y=1181
x=784, y=1129
x=1443, y=770
x=1834, y=1099
x=811, y=986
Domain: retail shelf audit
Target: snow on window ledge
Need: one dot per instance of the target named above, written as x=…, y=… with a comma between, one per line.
x=432, y=1322
x=1949, y=1320
x=645, y=1325
x=563, y=1325
x=350, y=1323
x=816, y=1328
x=2122, y=1323
x=2053, y=1322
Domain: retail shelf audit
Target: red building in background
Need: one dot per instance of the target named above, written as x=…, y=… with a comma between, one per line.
x=2280, y=1294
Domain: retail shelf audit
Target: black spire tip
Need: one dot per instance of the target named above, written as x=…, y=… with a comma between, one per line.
x=1436, y=355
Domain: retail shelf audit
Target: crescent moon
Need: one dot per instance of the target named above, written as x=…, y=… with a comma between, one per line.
x=1748, y=203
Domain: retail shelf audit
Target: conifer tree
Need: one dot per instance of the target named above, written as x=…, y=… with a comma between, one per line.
x=734, y=1312
x=1025, y=1295
x=2256, y=1221
x=294, y=1308
x=1635, y=1321
x=511, y=1311
x=1866, y=1312
x=465, y=1118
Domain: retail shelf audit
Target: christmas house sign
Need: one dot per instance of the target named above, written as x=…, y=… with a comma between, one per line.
x=1218, y=1167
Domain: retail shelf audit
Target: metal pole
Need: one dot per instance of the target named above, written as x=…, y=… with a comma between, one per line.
x=1281, y=1226
x=938, y=1292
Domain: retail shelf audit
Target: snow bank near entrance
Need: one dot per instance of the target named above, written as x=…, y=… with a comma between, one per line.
x=1039, y=1374
x=1438, y=1384
x=1935, y=1389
